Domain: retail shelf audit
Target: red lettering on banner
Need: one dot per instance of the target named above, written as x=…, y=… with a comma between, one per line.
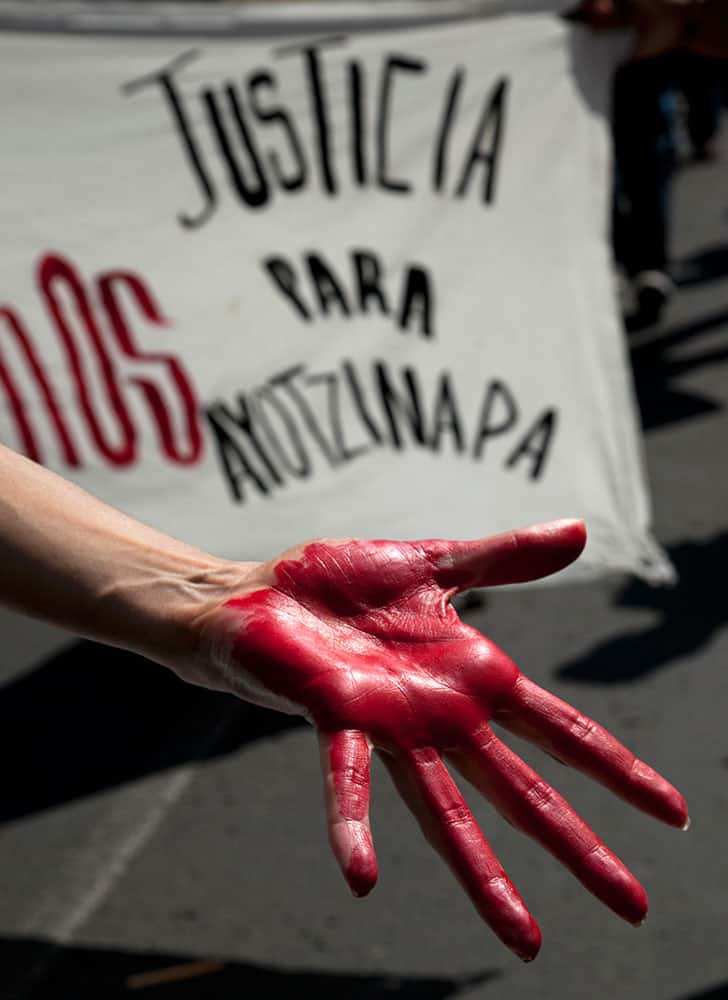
x=169, y=379
x=17, y=405
x=171, y=367
x=52, y=272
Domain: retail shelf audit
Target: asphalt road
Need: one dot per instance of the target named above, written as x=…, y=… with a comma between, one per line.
x=146, y=826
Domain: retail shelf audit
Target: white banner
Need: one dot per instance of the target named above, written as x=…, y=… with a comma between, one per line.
x=259, y=286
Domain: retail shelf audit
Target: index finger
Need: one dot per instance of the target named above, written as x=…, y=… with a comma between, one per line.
x=579, y=741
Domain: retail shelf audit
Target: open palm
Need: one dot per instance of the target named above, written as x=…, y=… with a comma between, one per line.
x=360, y=637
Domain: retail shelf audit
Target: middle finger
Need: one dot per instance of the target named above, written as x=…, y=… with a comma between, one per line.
x=534, y=807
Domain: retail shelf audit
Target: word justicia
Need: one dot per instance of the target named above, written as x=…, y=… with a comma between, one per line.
x=247, y=131
x=299, y=421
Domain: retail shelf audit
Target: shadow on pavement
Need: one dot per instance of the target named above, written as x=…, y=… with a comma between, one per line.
x=708, y=264
x=713, y=993
x=93, y=716
x=688, y=615
x=661, y=402
x=40, y=970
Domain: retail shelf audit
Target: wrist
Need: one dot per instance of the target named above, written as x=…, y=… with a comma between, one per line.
x=201, y=594
x=159, y=599
x=68, y=558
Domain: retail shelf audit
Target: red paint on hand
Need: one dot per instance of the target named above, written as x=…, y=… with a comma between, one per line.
x=361, y=637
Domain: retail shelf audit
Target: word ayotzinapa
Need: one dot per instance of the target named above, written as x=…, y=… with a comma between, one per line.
x=297, y=420
x=244, y=132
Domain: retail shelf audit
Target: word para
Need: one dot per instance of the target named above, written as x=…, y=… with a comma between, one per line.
x=314, y=285
x=93, y=339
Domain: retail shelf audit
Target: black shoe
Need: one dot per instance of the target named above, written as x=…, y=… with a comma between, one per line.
x=652, y=293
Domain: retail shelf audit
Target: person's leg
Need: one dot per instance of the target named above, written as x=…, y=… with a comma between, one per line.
x=700, y=82
x=643, y=112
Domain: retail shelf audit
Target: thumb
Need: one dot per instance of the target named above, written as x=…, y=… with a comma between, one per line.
x=513, y=557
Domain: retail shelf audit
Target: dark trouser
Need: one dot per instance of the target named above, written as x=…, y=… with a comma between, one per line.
x=642, y=119
x=701, y=82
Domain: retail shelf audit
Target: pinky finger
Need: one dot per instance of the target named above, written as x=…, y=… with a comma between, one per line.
x=345, y=763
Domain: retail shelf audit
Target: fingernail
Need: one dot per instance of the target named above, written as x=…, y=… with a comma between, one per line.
x=641, y=923
x=687, y=824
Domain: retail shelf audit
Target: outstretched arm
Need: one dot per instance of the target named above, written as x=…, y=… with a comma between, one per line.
x=70, y=559
x=362, y=639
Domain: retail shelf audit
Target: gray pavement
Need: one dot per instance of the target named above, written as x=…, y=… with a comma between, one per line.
x=146, y=825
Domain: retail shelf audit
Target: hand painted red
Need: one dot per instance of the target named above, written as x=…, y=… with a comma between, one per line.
x=360, y=637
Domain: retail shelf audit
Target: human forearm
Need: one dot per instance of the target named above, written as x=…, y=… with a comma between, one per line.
x=707, y=32
x=699, y=26
x=359, y=637
x=69, y=558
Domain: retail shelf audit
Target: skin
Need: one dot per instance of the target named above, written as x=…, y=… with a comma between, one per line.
x=699, y=26
x=360, y=637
